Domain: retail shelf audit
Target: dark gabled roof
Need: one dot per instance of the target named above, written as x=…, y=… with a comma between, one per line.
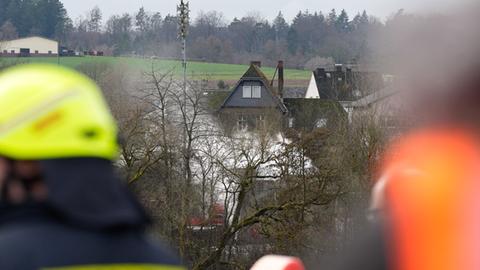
x=324, y=87
x=307, y=111
x=254, y=73
x=216, y=98
x=375, y=97
x=329, y=87
x=296, y=104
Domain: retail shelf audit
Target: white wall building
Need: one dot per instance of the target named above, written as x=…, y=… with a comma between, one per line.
x=31, y=46
x=312, y=90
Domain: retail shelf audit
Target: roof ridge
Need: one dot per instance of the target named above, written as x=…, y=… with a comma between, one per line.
x=255, y=72
x=34, y=36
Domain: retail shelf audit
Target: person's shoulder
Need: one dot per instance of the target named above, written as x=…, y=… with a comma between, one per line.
x=16, y=232
x=17, y=237
x=16, y=245
x=53, y=243
x=159, y=252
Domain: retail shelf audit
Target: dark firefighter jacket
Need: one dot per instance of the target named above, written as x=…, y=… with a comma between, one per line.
x=90, y=222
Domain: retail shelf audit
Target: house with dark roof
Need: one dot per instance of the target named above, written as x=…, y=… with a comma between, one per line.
x=253, y=102
x=385, y=105
x=343, y=83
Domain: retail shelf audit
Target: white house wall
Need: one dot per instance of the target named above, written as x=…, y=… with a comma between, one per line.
x=312, y=91
x=42, y=45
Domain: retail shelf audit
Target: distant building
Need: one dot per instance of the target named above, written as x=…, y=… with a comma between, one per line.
x=30, y=46
x=385, y=104
x=208, y=230
x=343, y=83
x=253, y=102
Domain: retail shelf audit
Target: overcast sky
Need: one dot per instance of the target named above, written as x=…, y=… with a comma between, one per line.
x=267, y=8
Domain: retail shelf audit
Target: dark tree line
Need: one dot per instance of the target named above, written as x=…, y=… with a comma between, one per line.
x=311, y=35
x=22, y=18
x=213, y=38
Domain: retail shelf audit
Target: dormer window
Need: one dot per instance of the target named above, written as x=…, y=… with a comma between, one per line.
x=252, y=91
x=247, y=91
x=256, y=91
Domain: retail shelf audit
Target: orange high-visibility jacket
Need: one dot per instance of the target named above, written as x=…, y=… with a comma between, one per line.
x=432, y=201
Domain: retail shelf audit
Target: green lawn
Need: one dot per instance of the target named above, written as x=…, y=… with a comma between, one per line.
x=197, y=69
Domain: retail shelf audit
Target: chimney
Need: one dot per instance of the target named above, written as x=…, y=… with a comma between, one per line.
x=281, y=79
x=320, y=72
x=338, y=67
x=349, y=74
x=256, y=63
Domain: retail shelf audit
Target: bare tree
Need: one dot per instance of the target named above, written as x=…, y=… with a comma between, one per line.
x=94, y=17
x=262, y=178
x=276, y=189
x=8, y=31
x=208, y=23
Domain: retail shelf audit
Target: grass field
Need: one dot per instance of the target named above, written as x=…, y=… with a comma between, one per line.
x=213, y=71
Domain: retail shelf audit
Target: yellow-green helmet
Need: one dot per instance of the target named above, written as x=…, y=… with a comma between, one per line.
x=49, y=112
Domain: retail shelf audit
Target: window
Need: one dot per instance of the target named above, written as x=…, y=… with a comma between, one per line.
x=322, y=122
x=36, y=52
x=257, y=91
x=357, y=93
x=290, y=122
x=5, y=51
x=49, y=52
x=12, y=51
x=260, y=121
x=247, y=91
x=242, y=123
x=252, y=91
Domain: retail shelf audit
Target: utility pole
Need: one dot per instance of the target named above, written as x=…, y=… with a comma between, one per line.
x=183, y=11
x=184, y=20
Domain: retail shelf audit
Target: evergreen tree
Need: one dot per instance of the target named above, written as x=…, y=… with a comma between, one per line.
x=280, y=27
x=4, y=4
x=342, y=22
x=47, y=18
x=355, y=23
x=332, y=17
x=292, y=41
x=364, y=18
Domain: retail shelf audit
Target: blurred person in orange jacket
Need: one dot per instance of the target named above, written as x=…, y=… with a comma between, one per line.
x=426, y=202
